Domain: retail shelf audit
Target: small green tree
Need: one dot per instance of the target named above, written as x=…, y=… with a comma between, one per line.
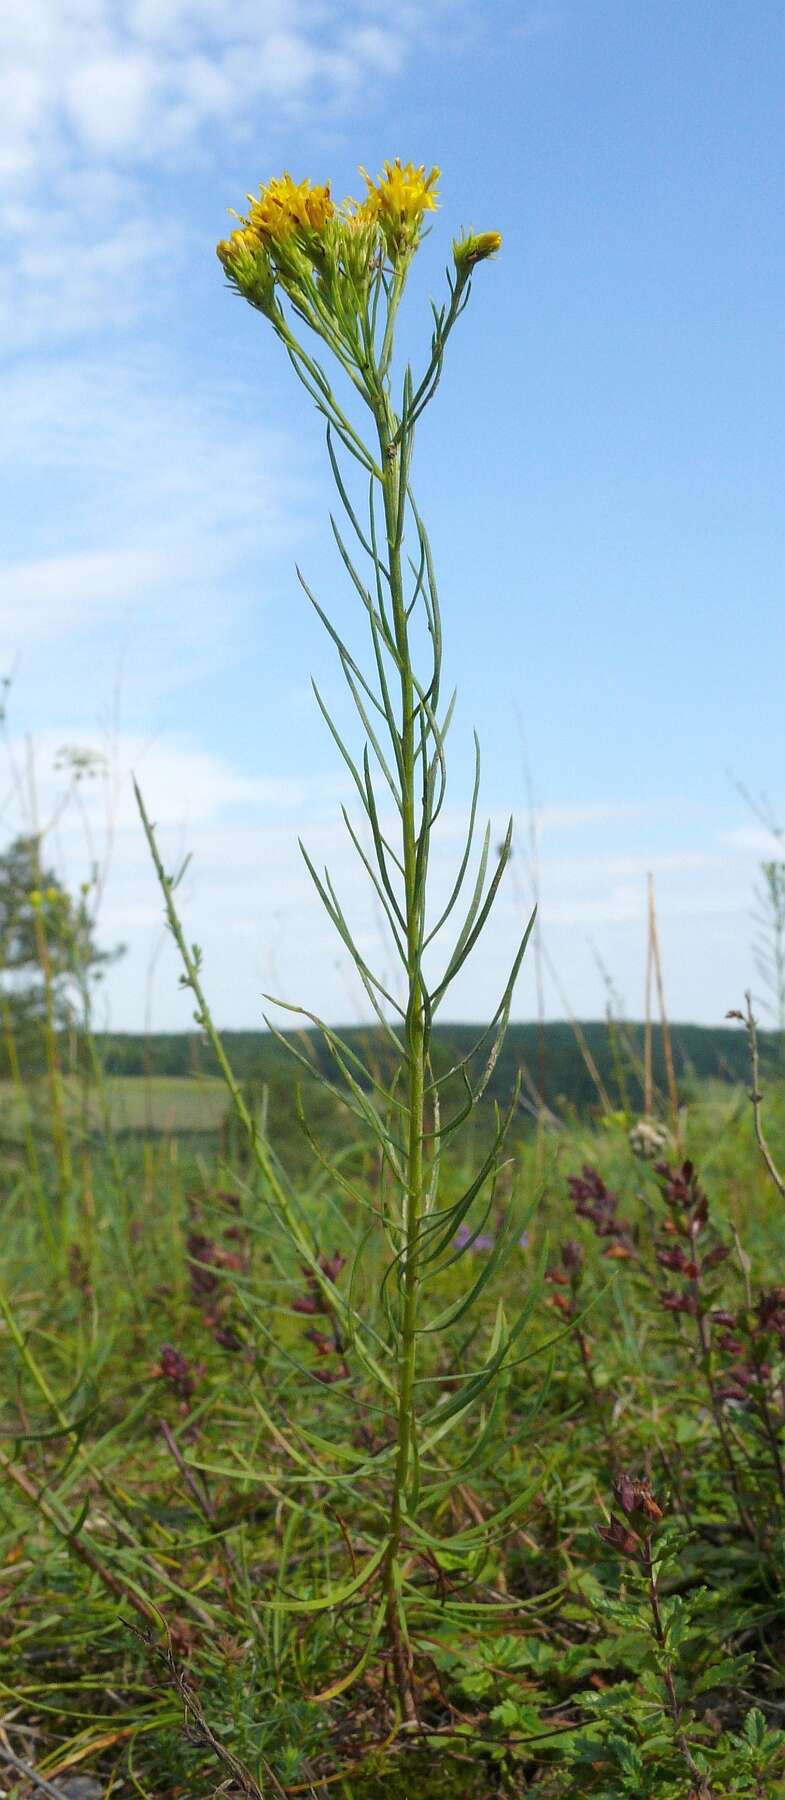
x=49, y=958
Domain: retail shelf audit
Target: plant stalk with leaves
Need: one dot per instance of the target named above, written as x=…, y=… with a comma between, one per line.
x=343, y=271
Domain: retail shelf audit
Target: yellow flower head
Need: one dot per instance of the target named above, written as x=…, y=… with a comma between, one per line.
x=397, y=201
x=281, y=239
x=285, y=205
x=248, y=267
x=475, y=248
x=230, y=250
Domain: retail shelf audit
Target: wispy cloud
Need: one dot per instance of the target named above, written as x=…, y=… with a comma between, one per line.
x=249, y=902
x=767, y=844
x=93, y=93
x=49, y=597
x=152, y=497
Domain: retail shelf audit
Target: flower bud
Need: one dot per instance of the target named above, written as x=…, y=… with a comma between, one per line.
x=572, y=1255
x=715, y=1256
x=619, y=1538
x=637, y=1500
x=474, y=249
x=331, y=1266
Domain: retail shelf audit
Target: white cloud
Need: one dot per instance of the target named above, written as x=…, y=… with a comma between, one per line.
x=46, y=598
x=184, y=785
x=767, y=844
x=61, y=280
x=552, y=819
x=153, y=491
x=92, y=90
x=112, y=100
x=248, y=901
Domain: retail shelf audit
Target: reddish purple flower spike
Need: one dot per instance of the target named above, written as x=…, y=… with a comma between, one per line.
x=328, y=1376
x=672, y=1259
x=715, y=1256
x=323, y=1345
x=699, y=1216
x=620, y=1538
x=683, y=1303
x=624, y=1489
x=173, y=1363
x=731, y=1390
x=771, y=1311
x=594, y=1201
x=201, y=1250
x=331, y=1266
x=227, y=1338
x=176, y=1369
x=572, y=1255
x=636, y=1499
x=681, y=1191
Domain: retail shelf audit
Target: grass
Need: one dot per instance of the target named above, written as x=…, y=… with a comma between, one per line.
x=158, y=1519
x=163, y=1104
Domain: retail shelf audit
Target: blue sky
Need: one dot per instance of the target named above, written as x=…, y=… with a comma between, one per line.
x=601, y=472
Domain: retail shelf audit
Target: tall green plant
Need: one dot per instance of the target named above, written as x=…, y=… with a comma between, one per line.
x=341, y=273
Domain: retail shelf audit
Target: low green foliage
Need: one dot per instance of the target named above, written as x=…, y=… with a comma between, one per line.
x=144, y=1366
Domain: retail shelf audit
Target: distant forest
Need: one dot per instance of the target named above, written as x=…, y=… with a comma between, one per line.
x=580, y=1067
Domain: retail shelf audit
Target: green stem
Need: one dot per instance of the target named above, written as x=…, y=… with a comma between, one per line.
x=430, y=381
x=666, y=1670
x=313, y=380
x=60, y=1142
x=393, y=461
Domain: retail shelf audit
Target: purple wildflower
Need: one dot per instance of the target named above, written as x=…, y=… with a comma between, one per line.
x=464, y=1235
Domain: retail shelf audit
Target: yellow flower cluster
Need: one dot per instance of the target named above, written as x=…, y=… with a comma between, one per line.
x=286, y=210
x=231, y=248
x=248, y=267
x=293, y=232
x=284, y=205
x=51, y=895
x=397, y=201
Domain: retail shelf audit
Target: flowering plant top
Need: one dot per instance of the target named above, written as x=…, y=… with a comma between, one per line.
x=324, y=258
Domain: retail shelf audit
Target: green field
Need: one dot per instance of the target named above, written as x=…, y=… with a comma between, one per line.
x=161, y=1104
x=166, y=1528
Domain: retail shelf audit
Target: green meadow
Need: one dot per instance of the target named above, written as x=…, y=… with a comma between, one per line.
x=166, y=1385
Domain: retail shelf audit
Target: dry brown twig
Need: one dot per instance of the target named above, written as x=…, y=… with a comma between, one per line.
x=196, y=1725
x=39, y=1782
